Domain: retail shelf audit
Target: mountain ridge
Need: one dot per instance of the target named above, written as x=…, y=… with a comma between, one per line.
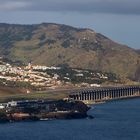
x=58, y=44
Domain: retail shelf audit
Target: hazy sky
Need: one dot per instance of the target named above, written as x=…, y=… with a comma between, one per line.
x=117, y=19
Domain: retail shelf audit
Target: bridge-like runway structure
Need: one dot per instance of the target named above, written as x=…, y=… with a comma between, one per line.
x=106, y=93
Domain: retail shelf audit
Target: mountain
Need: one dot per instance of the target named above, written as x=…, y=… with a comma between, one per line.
x=138, y=51
x=56, y=44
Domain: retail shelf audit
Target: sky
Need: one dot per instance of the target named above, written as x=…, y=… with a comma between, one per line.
x=117, y=19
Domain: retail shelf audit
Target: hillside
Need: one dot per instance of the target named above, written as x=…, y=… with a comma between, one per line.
x=55, y=44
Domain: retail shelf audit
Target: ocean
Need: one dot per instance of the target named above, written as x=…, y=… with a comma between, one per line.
x=116, y=120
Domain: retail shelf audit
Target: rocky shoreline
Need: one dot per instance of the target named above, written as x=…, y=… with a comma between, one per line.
x=42, y=110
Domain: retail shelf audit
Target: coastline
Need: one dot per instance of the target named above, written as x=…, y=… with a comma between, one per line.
x=36, y=110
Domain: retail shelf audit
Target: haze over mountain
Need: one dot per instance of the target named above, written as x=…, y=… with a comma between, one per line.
x=56, y=44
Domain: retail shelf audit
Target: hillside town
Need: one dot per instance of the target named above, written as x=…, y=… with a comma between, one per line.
x=30, y=75
x=42, y=77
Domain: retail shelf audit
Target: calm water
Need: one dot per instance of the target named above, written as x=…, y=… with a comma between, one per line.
x=118, y=120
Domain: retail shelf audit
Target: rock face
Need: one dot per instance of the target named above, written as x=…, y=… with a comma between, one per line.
x=38, y=110
x=137, y=74
x=55, y=44
x=3, y=117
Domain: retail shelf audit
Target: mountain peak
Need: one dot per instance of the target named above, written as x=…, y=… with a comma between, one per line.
x=55, y=44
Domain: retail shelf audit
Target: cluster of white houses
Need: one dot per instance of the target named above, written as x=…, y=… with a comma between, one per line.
x=28, y=74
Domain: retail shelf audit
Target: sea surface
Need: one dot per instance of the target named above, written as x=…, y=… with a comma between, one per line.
x=117, y=120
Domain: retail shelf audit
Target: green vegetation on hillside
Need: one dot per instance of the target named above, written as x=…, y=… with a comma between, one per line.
x=78, y=76
x=54, y=44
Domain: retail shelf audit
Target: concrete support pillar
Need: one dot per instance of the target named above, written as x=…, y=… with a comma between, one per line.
x=108, y=94
x=79, y=97
x=138, y=90
x=116, y=93
x=124, y=92
x=95, y=95
x=87, y=95
x=129, y=92
x=92, y=95
x=84, y=95
x=113, y=94
x=132, y=91
x=120, y=92
x=99, y=92
x=76, y=97
x=102, y=94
